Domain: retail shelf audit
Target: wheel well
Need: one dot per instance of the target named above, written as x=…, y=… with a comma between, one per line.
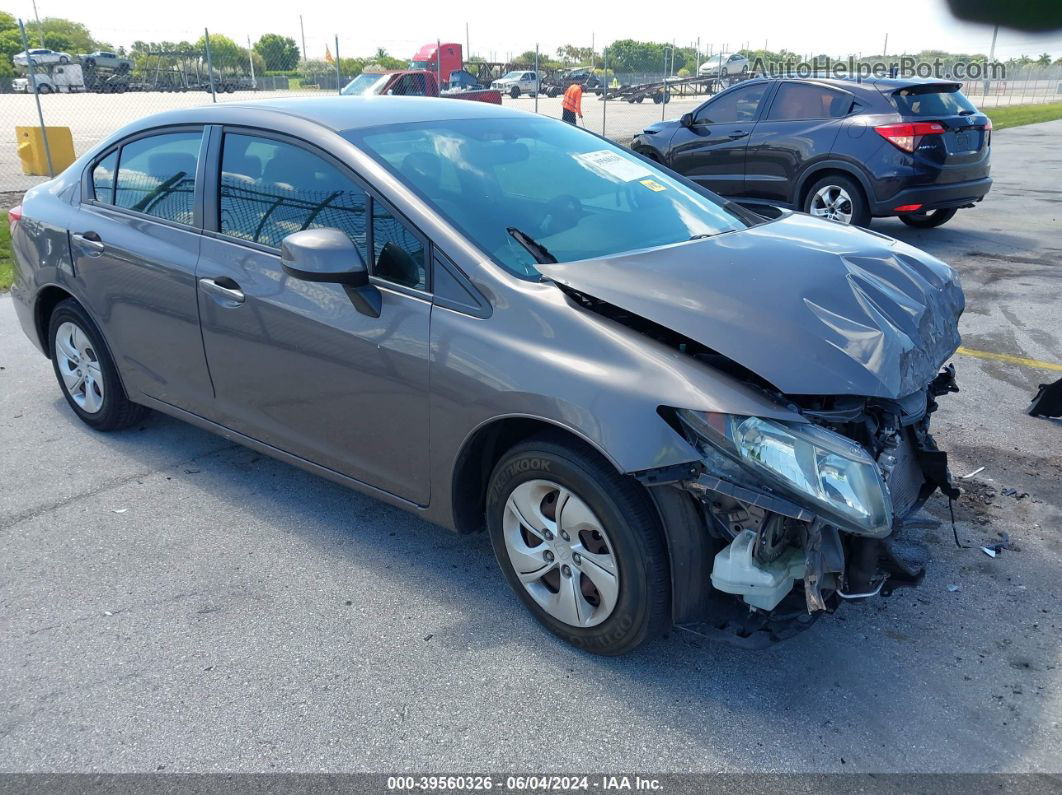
x=645, y=151
x=47, y=300
x=815, y=176
x=479, y=456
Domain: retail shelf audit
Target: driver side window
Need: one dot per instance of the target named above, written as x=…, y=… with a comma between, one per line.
x=739, y=105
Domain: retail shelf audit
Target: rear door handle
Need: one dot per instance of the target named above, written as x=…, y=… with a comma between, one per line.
x=90, y=241
x=230, y=296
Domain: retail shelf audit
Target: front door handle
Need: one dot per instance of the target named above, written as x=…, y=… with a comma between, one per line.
x=90, y=241
x=738, y=134
x=229, y=294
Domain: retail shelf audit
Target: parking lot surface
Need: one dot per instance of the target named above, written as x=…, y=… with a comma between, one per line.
x=172, y=602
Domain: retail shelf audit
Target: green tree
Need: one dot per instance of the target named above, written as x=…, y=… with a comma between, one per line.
x=76, y=35
x=280, y=53
x=10, y=43
x=1044, y=59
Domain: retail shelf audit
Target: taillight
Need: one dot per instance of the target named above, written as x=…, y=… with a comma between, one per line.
x=14, y=215
x=988, y=131
x=907, y=136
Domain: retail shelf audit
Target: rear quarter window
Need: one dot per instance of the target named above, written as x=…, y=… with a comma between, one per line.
x=915, y=102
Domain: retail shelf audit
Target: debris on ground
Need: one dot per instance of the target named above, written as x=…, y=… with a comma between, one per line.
x=1048, y=400
x=1018, y=495
x=975, y=472
x=953, y=588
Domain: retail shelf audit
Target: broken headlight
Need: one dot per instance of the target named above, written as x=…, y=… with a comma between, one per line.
x=823, y=470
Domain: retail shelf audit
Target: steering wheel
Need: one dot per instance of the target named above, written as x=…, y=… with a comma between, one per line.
x=562, y=213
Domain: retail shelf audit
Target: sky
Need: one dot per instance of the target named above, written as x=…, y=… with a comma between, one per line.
x=504, y=31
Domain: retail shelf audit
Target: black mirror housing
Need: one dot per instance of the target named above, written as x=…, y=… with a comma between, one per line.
x=323, y=255
x=686, y=120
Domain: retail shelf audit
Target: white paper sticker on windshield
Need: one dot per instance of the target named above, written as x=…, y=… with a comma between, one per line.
x=612, y=165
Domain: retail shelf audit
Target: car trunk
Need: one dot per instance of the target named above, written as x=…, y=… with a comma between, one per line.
x=958, y=153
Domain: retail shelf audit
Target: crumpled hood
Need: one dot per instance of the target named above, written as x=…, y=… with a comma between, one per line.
x=813, y=307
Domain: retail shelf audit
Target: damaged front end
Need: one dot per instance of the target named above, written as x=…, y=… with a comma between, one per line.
x=803, y=516
x=844, y=332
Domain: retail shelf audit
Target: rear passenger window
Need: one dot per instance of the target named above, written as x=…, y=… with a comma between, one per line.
x=271, y=189
x=156, y=175
x=806, y=101
x=103, y=178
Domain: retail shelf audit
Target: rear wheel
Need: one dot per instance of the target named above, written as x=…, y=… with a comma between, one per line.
x=928, y=220
x=580, y=544
x=86, y=373
x=838, y=198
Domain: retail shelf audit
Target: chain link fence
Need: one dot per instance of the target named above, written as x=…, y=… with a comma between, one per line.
x=94, y=96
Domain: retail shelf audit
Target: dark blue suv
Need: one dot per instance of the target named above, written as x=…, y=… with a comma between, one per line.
x=843, y=149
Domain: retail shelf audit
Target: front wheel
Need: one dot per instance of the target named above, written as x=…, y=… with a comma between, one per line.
x=580, y=544
x=64, y=60
x=515, y=92
x=838, y=198
x=86, y=373
x=927, y=220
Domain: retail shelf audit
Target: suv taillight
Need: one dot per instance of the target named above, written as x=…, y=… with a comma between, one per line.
x=906, y=136
x=14, y=215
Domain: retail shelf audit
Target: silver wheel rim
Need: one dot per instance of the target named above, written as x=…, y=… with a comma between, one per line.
x=561, y=553
x=832, y=202
x=79, y=367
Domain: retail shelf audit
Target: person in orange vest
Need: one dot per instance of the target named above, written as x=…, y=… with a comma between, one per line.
x=573, y=103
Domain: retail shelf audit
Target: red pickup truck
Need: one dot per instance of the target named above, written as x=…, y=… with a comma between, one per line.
x=414, y=83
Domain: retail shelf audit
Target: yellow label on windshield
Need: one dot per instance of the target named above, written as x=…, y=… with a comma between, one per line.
x=653, y=185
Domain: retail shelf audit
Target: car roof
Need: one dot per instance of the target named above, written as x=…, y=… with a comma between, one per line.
x=342, y=114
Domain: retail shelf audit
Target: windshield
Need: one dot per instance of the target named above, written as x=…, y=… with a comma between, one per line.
x=428, y=65
x=512, y=76
x=574, y=194
x=366, y=83
x=937, y=101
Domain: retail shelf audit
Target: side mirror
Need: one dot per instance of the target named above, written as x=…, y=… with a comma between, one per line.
x=328, y=255
x=686, y=120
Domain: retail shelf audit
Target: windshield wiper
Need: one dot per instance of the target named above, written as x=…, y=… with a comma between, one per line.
x=534, y=248
x=703, y=235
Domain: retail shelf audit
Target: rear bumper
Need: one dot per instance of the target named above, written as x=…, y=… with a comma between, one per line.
x=935, y=197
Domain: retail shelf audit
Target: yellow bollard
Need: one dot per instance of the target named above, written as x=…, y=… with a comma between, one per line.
x=33, y=156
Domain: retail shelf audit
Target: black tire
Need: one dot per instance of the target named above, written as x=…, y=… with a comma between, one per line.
x=44, y=89
x=929, y=219
x=860, y=208
x=64, y=60
x=642, y=608
x=514, y=92
x=116, y=411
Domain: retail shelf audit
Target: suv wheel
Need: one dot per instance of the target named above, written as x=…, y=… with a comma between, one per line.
x=838, y=198
x=930, y=219
x=580, y=544
x=86, y=373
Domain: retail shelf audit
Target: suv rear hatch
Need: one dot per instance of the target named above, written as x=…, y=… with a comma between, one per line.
x=944, y=132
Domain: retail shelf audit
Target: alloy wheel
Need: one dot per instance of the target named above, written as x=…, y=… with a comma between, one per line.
x=561, y=553
x=79, y=367
x=832, y=202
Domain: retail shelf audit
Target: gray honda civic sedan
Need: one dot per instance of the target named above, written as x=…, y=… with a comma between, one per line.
x=664, y=409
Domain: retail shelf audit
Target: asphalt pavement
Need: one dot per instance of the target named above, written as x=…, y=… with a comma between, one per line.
x=169, y=601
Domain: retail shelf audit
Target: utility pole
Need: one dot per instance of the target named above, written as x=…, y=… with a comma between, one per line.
x=538, y=79
x=468, y=46
x=339, y=79
x=40, y=27
x=991, y=60
x=885, y=49
x=302, y=31
x=250, y=59
x=210, y=65
x=37, y=98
